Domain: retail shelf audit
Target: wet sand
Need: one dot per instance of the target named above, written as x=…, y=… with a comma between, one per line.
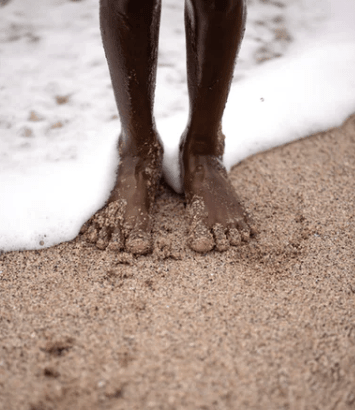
x=267, y=325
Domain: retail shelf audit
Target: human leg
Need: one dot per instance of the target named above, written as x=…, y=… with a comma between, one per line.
x=130, y=30
x=214, y=31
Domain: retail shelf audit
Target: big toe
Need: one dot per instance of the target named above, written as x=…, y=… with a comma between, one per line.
x=201, y=239
x=139, y=242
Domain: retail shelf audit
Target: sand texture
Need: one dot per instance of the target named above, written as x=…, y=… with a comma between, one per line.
x=266, y=325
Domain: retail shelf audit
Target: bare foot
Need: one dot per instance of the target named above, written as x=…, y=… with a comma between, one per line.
x=125, y=221
x=217, y=218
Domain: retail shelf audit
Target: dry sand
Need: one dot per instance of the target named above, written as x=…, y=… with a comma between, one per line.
x=268, y=325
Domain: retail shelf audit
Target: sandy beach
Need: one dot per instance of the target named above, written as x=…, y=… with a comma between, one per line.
x=267, y=325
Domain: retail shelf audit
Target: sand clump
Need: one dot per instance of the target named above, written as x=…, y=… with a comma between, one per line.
x=268, y=324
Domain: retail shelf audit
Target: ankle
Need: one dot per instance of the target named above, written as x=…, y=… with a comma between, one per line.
x=194, y=145
x=144, y=146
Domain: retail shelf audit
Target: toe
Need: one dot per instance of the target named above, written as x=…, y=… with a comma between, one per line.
x=234, y=236
x=252, y=226
x=103, y=239
x=201, y=239
x=116, y=242
x=243, y=229
x=91, y=234
x=219, y=233
x=139, y=242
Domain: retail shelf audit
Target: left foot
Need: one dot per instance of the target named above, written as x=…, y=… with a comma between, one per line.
x=217, y=217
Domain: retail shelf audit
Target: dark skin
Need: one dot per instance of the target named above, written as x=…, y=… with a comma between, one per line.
x=130, y=30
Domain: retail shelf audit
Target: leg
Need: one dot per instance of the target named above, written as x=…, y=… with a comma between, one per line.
x=130, y=30
x=214, y=31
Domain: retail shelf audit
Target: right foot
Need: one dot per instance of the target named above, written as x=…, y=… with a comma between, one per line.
x=125, y=221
